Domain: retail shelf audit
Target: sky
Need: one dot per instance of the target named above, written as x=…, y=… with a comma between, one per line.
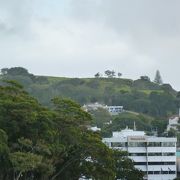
x=78, y=38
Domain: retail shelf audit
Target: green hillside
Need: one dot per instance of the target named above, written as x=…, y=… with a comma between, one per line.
x=141, y=95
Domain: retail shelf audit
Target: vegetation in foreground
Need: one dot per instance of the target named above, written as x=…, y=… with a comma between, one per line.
x=41, y=143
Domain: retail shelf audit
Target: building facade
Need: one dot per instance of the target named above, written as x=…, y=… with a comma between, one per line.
x=173, y=123
x=155, y=156
x=115, y=110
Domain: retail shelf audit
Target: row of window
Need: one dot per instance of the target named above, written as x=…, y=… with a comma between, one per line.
x=162, y=172
x=154, y=163
x=161, y=144
x=143, y=144
x=152, y=154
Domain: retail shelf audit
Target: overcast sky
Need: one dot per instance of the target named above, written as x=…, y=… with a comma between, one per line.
x=79, y=38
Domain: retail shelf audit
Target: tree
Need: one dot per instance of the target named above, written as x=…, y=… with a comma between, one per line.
x=113, y=73
x=100, y=117
x=107, y=73
x=162, y=104
x=24, y=162
x=145, y=78
x=97, y=75
x=84, y=150
x=110, y=74
x=158, y=78
x=125, y=167
x=41, y=143
x=4, y=71
x=119, y=74
x=15, y=71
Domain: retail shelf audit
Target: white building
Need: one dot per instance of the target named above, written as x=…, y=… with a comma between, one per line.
x=93, y=106
x=156, y=156
x=94, y=129
x=115, y=110
x=173, y=123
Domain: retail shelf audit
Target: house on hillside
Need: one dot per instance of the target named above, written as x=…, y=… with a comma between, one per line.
x=113, y=110
x=93, y=106
x=173, y=123
x=94, y=128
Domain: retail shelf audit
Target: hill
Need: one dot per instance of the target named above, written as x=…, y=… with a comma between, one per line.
x=141, y=95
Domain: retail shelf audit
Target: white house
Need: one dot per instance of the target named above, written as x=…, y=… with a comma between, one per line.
x=173, y=123
x=95, y=129
x=156, y=156
x=93, y=106
x=115, y=110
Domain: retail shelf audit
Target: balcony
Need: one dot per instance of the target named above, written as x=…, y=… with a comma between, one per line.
x=161, y=158
x=137, y=149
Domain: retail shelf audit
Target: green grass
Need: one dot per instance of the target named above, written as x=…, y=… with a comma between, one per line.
x=52, y=79
x=147, y=92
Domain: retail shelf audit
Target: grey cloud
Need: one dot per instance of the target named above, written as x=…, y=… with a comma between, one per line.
x=146, y=22
x=135, y=37
x=152, y=28
x=129, y=15
x=15, y=16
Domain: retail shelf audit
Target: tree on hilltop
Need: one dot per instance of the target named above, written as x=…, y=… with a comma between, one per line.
x=110, y=74
x=145, y=78
x=97, y=75
x=119, y=74
x=158, y=79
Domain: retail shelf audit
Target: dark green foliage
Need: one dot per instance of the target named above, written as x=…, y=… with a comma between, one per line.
x=97, y=75
x=145, y=85
x=14, y=71
x=119, y=74
x=145, y=78
x=126, y=170
x=142, y=123
x=100, y=117
x=109, y=73
x=163, y=104
x=39, y=143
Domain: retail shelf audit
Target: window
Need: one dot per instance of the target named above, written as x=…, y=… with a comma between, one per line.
x=168, y=154
x=154, y=154
x=137, y=154
x=137, y=144
x=161, y=163
x=118, y=144
x=168, y=144
x=169, y=163
x=154, y=144
x=161, y=172
x=140, y=163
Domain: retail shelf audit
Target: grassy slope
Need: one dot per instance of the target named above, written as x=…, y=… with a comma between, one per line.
x=110, y=91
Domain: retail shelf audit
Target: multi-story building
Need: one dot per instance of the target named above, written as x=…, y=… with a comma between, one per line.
x=155, y=156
